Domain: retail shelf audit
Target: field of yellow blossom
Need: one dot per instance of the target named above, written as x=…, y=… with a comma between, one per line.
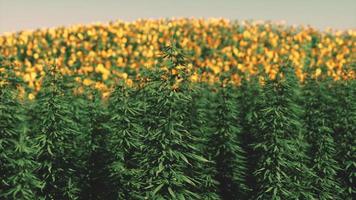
x=103, y=53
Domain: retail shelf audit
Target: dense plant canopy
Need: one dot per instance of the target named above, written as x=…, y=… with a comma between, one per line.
x=230, y=119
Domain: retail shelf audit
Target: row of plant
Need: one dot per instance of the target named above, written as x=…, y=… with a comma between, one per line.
x=169, y=138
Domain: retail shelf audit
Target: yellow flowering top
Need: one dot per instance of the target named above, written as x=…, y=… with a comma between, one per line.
x=106, y=52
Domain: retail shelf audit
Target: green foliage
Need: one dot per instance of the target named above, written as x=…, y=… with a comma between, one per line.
x=99, y=157
x=318, y=104
x=59, y=140
x=124, y=143
x=225, y=144
x=169, y=138
x=85, y=107
x=200, y=126
x=248, y=92
x=17, y=150
x=169, y=153
x=343, y=120
x=281, y=172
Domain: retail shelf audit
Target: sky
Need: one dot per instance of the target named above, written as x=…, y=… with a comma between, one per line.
x=18, y=15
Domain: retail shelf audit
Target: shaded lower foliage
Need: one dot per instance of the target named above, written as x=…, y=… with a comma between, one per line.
x=226, y=150
x=343, y=115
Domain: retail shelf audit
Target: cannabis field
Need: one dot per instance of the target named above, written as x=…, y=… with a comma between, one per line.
x=178, y=109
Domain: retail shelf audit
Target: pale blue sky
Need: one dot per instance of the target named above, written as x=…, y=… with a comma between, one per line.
x=29, y=14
